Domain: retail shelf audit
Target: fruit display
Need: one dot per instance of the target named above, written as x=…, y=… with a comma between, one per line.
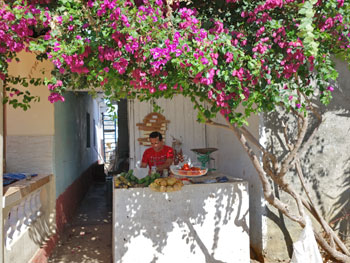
x=169, y=184
x=187, y=170
x=128, y=179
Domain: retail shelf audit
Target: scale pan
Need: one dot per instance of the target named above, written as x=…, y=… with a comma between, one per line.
x=204, y=150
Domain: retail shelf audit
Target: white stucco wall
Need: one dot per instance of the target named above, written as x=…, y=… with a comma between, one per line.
x=325, y=165
x=199, y=223
x=39, y=118
x=29, y=134
x=1, y=165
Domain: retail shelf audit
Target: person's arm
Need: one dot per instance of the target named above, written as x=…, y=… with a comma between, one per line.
x=166, y=165
x=144, y=161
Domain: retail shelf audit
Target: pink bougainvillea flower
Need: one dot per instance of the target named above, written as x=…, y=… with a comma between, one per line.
x=197, y=78
x=228, y=57
x=59, y=19
x=163, y=86
x=47, y=36
x=210, y=94
x=54, y=97
x=204, y=61
x=56, y=49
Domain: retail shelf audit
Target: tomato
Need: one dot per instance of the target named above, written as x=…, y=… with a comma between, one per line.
x=186, y=167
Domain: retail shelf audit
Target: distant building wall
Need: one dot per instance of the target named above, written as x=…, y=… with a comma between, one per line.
x=73, y=153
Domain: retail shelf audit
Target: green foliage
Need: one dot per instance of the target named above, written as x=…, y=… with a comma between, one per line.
x=235, y=57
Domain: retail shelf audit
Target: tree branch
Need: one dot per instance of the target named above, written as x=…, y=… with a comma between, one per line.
x=287, y=163
x=321, y=220
x=271, y=170
x=307, y=143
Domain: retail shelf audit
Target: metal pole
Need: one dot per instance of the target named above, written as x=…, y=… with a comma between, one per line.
x=104, y=140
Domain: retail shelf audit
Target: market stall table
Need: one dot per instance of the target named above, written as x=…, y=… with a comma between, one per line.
x=200, y=223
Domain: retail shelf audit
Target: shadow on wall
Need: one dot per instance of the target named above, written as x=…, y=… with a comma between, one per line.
x=325, y=163
x=69, y=200
x=341, y=210
x=42, y=228
x=204, y=234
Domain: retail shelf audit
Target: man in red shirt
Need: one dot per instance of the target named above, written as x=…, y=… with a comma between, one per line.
x=159, y=155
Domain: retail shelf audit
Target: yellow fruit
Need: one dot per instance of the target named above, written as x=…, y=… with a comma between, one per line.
x=154, y=187
x=169, y=189
x=171, y=181
x=158, y=181
x=176, y=187
x=178, y=184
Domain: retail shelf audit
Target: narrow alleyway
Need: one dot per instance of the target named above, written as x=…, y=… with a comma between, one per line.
x=88, y=237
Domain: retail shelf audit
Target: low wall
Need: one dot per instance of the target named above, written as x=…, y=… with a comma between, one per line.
x=28, y=210
x=199, y=223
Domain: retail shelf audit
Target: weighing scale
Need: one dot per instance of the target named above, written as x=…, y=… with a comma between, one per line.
x=203, y=156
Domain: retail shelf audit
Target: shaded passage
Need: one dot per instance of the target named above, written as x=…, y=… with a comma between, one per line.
x=88, y=237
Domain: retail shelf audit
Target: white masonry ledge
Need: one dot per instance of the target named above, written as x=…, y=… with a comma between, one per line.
x=199, y=223
x=28, y=217
x=20, y=189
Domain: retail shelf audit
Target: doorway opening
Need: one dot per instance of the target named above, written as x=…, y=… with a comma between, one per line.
x=116, y=139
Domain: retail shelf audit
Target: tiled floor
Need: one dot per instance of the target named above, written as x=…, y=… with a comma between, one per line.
x=88, y=237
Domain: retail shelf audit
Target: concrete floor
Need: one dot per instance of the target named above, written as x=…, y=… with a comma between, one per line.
x=88, y=237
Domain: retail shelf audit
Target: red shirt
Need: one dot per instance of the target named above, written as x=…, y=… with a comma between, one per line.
x=152, y=158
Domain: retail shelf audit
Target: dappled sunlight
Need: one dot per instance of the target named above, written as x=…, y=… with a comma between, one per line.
x=87, y=238
x=203, y=223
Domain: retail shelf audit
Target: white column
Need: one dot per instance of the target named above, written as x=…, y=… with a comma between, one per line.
x=11, y=231
x=37, y=202
x=21, y=218
x=1, y=168
x=28, y=211
x=33, y=207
